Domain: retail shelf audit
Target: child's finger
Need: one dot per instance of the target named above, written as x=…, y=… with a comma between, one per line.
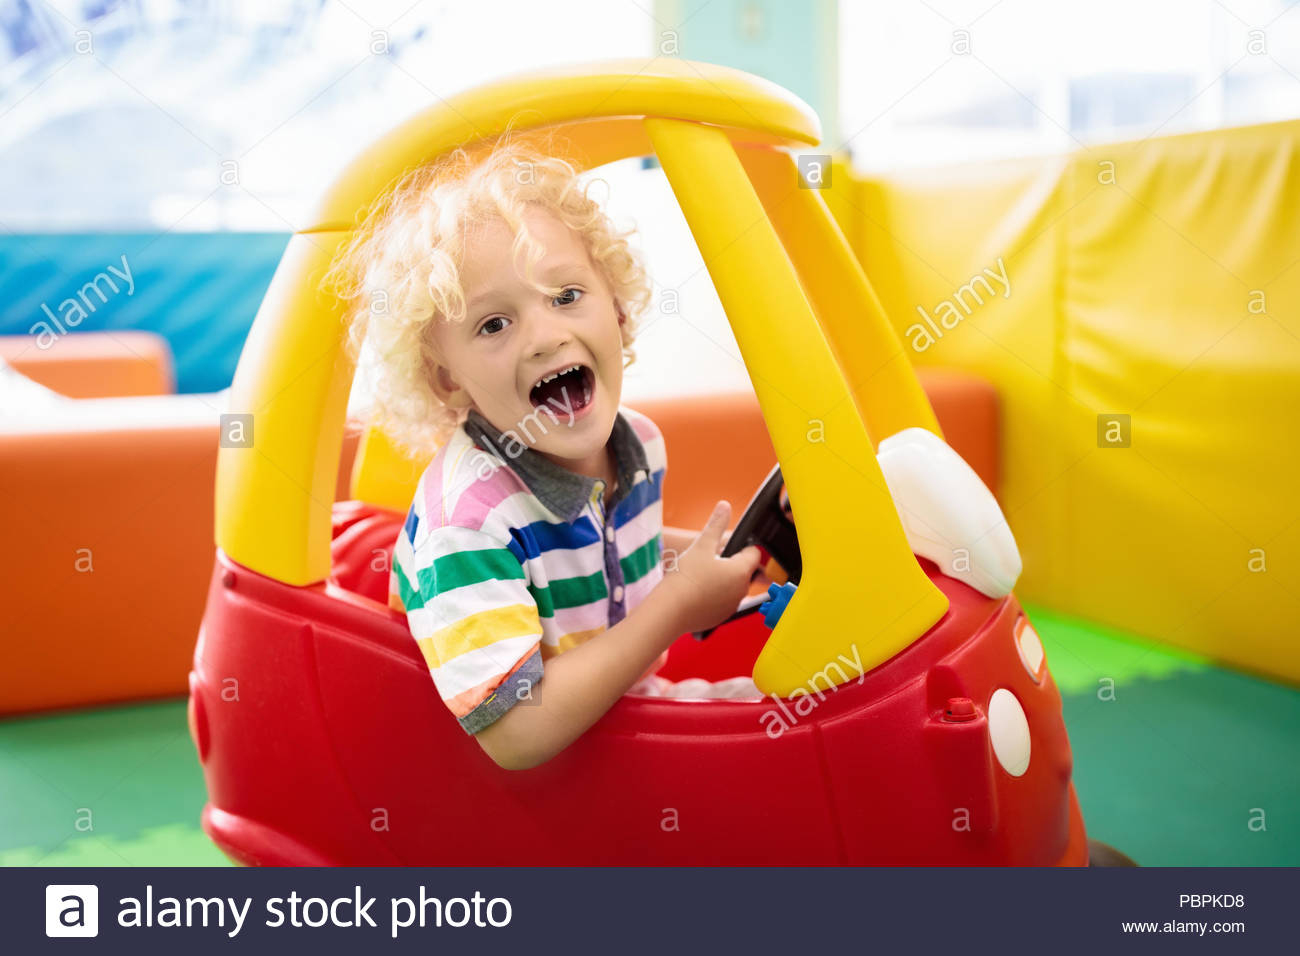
x=748, y=557
x=717, y=523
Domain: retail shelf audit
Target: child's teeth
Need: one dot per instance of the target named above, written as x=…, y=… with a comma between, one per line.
x=555, y=375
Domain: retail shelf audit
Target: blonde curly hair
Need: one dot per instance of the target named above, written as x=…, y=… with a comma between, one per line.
x=401, y=270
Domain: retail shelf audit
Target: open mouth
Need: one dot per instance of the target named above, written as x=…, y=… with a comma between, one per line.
x=569, y=391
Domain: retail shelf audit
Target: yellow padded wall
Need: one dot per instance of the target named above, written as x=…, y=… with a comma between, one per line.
x=1156, y=279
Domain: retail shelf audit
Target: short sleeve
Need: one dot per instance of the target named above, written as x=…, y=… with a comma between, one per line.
x=476, y=623
x=652, y=441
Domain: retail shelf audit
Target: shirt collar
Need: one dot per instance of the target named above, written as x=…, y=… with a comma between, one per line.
x=564, y=492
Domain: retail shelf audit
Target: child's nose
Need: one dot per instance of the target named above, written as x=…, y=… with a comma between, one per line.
x=549, y=335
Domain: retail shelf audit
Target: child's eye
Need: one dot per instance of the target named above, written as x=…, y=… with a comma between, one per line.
x=562, y=300
x=490, y=326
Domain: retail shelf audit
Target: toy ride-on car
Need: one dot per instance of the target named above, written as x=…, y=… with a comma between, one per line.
x=909, y=716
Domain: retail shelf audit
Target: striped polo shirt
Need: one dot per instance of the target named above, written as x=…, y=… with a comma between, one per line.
x=507, y=559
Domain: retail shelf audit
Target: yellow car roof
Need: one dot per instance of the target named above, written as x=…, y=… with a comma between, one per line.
x=596, y=106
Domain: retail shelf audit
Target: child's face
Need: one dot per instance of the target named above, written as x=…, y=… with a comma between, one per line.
x=513, y=336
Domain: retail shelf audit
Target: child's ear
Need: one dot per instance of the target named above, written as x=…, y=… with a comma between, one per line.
x=448, y=390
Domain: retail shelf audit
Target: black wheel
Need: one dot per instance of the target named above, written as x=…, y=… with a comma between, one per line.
x=767, y=521
x=1101, y=854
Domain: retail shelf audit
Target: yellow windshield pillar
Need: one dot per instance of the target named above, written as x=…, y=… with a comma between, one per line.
x=275, y=492
x=862, y=597
x=880, y=376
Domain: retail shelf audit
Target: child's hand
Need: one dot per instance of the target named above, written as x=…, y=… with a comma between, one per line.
x=709, y=587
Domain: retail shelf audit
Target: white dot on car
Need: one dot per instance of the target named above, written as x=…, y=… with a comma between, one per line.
x=1030, y=647
x=1009, y=732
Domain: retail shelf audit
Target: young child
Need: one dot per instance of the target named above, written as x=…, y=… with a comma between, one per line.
x=498, y=306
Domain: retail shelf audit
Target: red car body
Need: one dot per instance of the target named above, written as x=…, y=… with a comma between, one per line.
x=324, y=741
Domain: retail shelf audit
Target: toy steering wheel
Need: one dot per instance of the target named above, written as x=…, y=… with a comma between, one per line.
x=767, y=521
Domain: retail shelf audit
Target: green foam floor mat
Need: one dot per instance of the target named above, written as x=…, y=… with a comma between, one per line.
x=1177, y=762
x=117, y=786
